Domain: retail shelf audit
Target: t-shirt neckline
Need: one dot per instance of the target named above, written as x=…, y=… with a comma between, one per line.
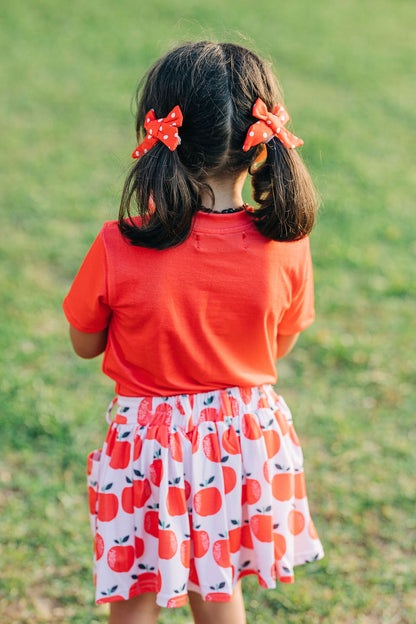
x=217, y=221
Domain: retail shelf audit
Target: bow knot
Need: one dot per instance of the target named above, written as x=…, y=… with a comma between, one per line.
x=164, y=129
x=270, y=124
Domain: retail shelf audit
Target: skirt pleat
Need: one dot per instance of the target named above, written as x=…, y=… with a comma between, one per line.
x=193, y=492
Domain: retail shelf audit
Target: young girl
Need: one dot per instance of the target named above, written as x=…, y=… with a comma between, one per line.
x=192, y=296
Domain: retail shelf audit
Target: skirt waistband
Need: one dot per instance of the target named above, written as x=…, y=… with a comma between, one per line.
x=190, y=409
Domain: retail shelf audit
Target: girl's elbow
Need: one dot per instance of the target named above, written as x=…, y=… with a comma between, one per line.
x=88, y=346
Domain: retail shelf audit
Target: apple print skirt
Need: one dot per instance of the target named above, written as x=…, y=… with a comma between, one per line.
x=193, y=492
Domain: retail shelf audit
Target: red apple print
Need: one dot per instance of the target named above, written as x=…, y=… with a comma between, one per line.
x=137, y=447
x=177, y=601
x=98, y=546
x=156, y=469
x=175, y=445
x=251, y=428
x=151, y=522
x=168, y=544
x=107, y=504
x=92, y=500
x=201, y=542
x=221, y=553
x=208, y=413
x=246, y=539
x=127, y=497
x=193, y=575
x=266, y=471
x=232, y=407
x=311, y=530
x=272, y=440
x=230, y=478
x=121, y=558
x=146, y=581
x=207, y=501
x=279, y=545
x=296, y=522
x=262, y=402
x=176, y=500
x=261, y=581
x=163, y=415
x=142, y=490
x=195, y=439
x=218, y=597
x=281, y=419
x=234, y=537
x=293, y=435
x=120, y=455
x=253, y=491
x=159, y=433
x=92, y=457
x=144, y=412
x=110, y=596
x=110, y=439
x=231, y=441
x=138, y=546
x=179, y=406
x=261, y=525
x=300, y=486
x=243, y=494
x=187, y=489
x=211, y=447
x=282, y=486
x=185, y=552
x=245, y=394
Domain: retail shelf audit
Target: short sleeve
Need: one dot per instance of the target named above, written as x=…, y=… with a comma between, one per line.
x=301, y=311
x=86, y=305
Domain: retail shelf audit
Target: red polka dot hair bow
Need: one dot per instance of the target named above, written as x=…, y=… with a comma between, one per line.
x=165, y=130
x=270, y=124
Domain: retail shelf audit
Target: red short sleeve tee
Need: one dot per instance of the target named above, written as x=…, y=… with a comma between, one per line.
x=197, y=317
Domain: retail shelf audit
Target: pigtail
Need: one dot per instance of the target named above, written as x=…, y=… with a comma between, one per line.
x=165, y=196
x=285, y=194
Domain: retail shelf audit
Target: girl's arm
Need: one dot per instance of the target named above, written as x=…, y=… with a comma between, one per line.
x=285, y=344
x=88, y=345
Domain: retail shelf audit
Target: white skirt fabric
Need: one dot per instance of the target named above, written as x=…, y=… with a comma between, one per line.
x=193, y=492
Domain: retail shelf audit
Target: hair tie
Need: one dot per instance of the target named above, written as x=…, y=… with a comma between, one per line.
x=165, y=130
x=270, y=124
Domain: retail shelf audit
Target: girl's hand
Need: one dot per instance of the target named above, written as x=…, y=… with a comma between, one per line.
x=88, y=345
x=285, y=344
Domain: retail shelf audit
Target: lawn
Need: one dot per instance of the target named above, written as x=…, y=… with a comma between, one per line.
x=68, y=74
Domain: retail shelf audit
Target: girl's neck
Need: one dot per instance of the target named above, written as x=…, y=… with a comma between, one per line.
x=227, y=193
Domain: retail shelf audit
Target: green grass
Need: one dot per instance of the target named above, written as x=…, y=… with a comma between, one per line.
x=68, y=76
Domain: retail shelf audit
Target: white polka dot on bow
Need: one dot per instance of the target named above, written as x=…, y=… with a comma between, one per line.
x=251, y=133
x=165, y=137
x=265, y=135
x=173, y=115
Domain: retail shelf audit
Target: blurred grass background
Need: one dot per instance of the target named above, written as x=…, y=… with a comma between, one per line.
x=68, y=74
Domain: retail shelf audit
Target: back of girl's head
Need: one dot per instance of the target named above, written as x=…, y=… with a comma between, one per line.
x=215, y=86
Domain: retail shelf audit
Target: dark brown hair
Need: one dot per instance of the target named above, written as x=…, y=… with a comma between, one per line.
x=215, y=86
